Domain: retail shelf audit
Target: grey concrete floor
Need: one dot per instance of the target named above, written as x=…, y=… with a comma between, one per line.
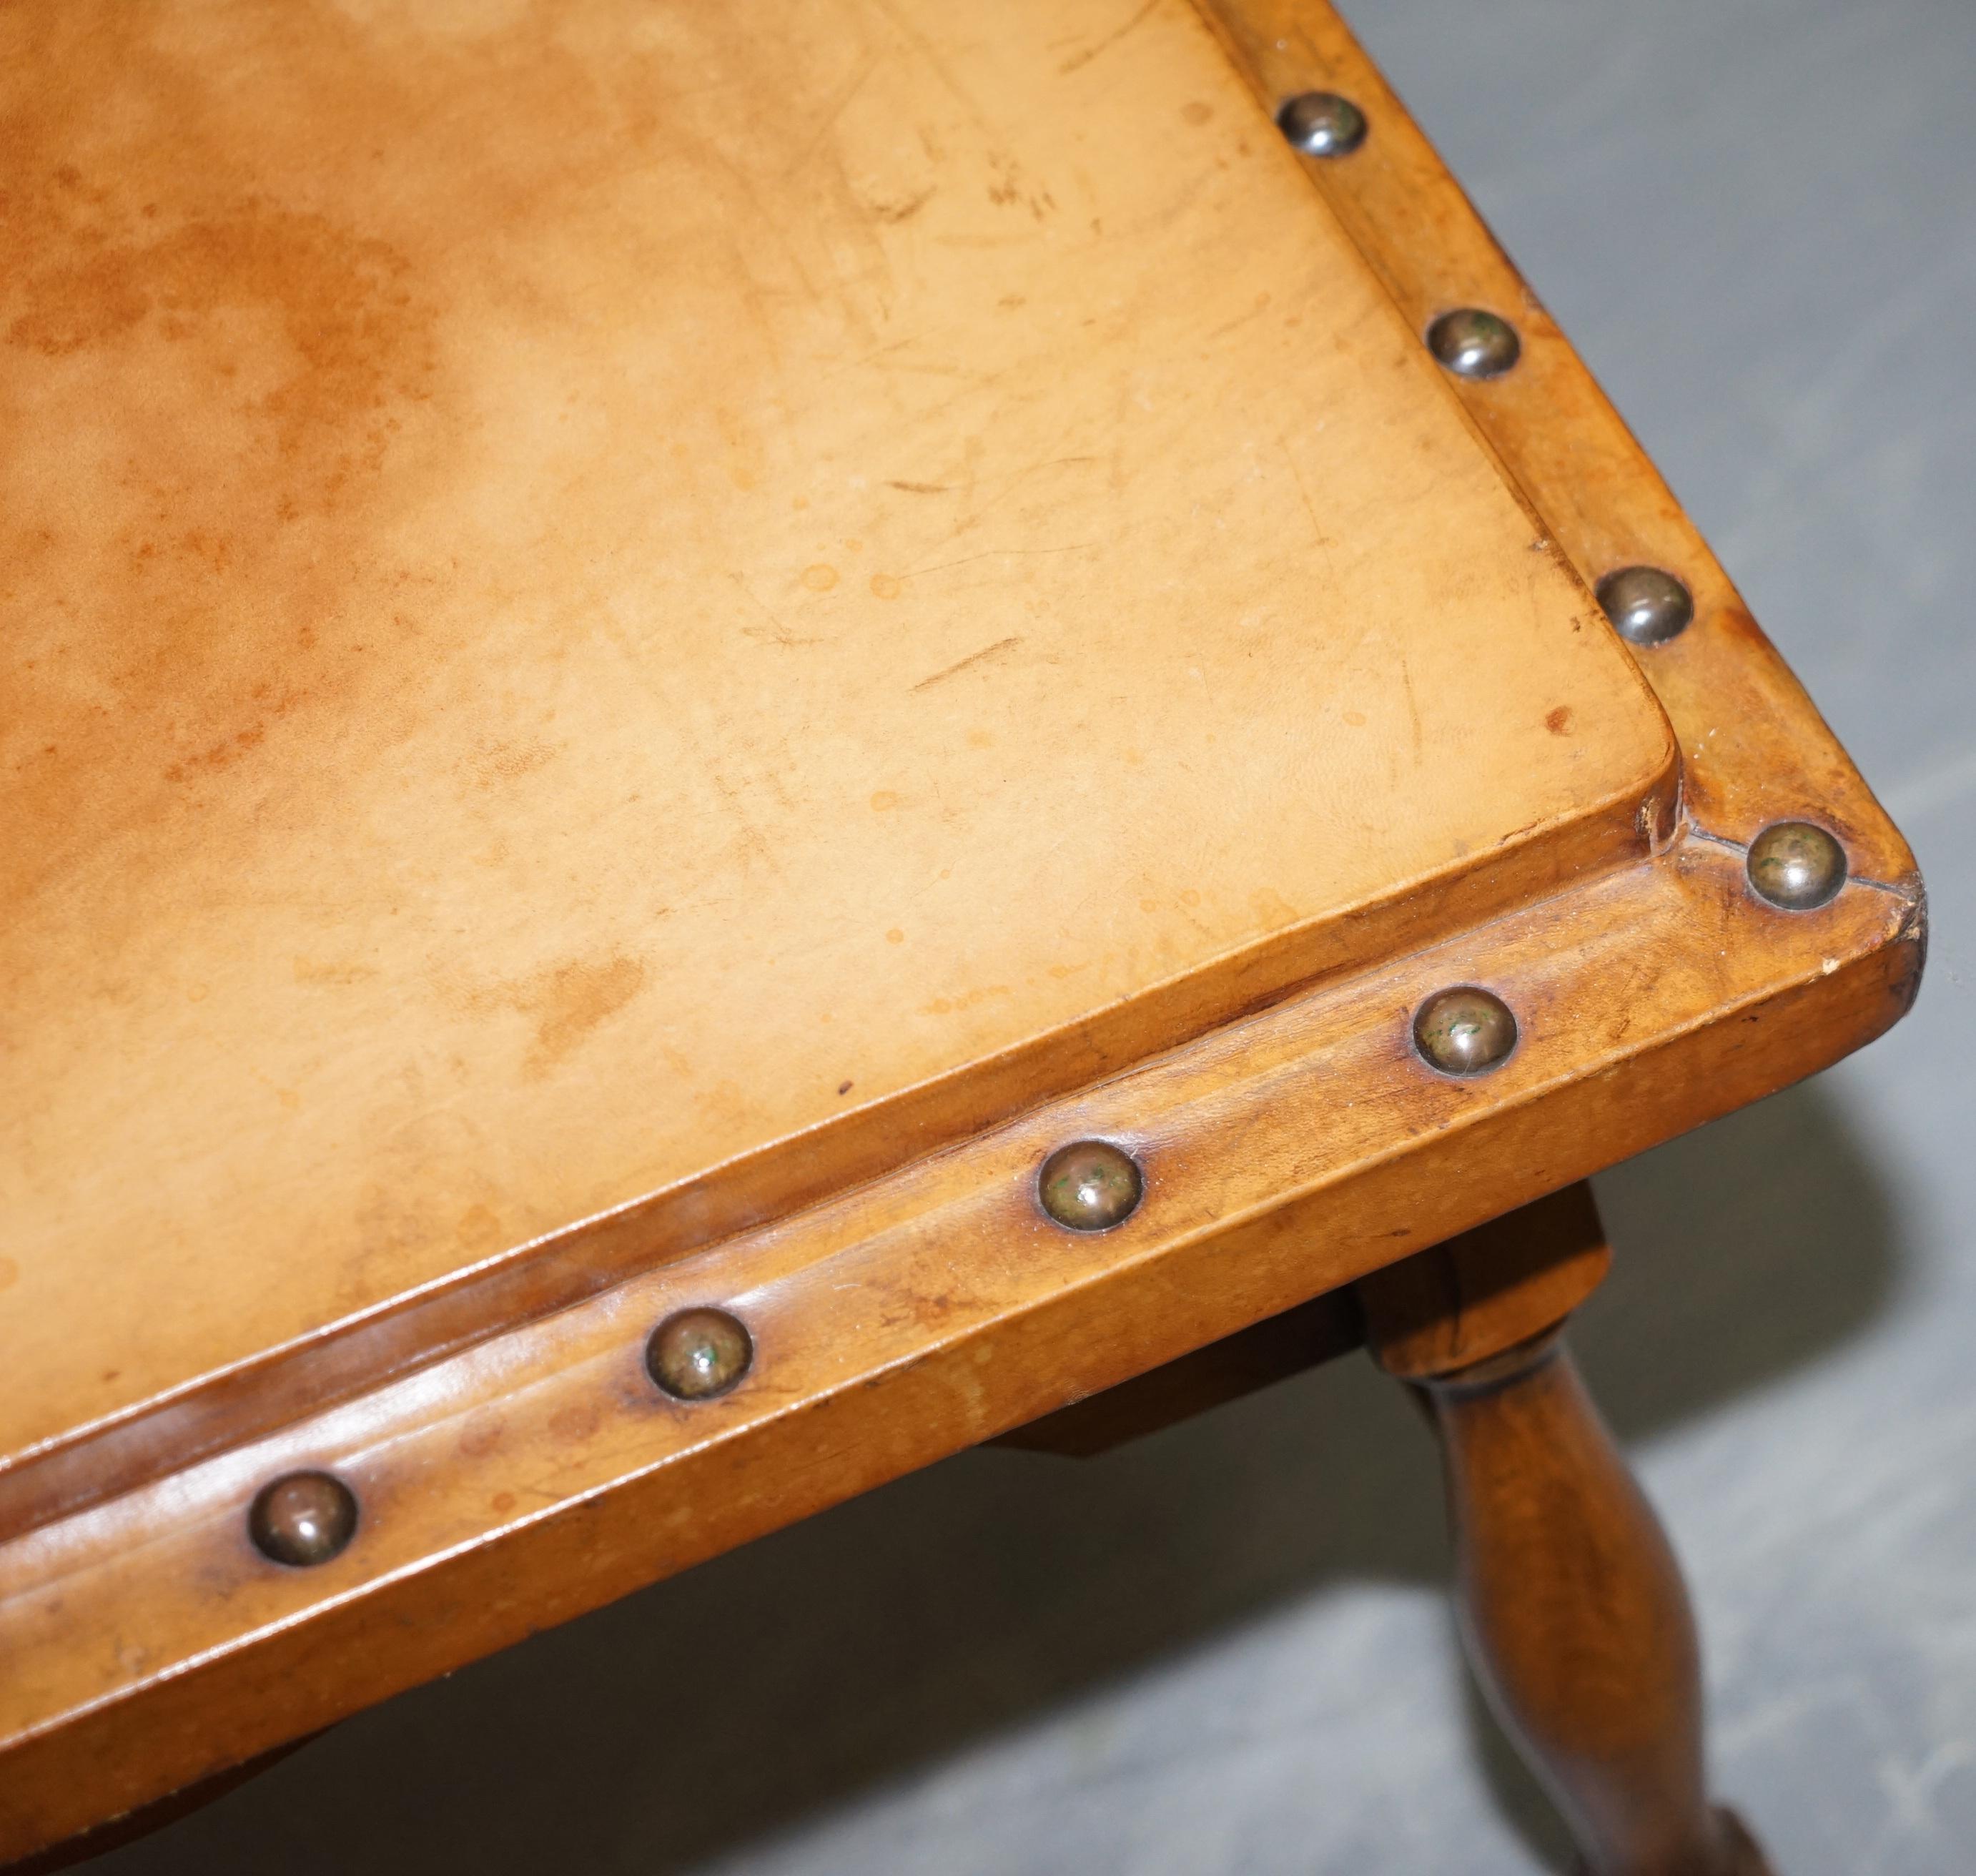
x=1225, y=1650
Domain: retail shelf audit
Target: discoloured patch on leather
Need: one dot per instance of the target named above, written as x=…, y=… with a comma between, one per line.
x=202, y=388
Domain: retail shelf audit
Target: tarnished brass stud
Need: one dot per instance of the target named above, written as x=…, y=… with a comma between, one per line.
x=302, y=1518
x=1090, y=1185
x=697, y=1354
x=1320, y=123
x=1797, y=865
x=1464, y=1031
x=1646, y=606
x=1474, y=344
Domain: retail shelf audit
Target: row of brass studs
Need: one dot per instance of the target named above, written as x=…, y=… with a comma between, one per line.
x=1794, y=865
x=307, y=1518
x=1092, y=1185
x=1646, y=605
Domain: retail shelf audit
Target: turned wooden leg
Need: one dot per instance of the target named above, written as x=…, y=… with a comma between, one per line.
x=1571, y=1603
x=1575, y=1617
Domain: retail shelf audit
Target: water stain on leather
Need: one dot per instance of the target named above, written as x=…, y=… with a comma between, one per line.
x=570, y=1000
x=200, y=389
x=341, y=300
x=564, y=1002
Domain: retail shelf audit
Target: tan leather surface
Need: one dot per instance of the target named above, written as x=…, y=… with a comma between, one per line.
x=586, y=589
